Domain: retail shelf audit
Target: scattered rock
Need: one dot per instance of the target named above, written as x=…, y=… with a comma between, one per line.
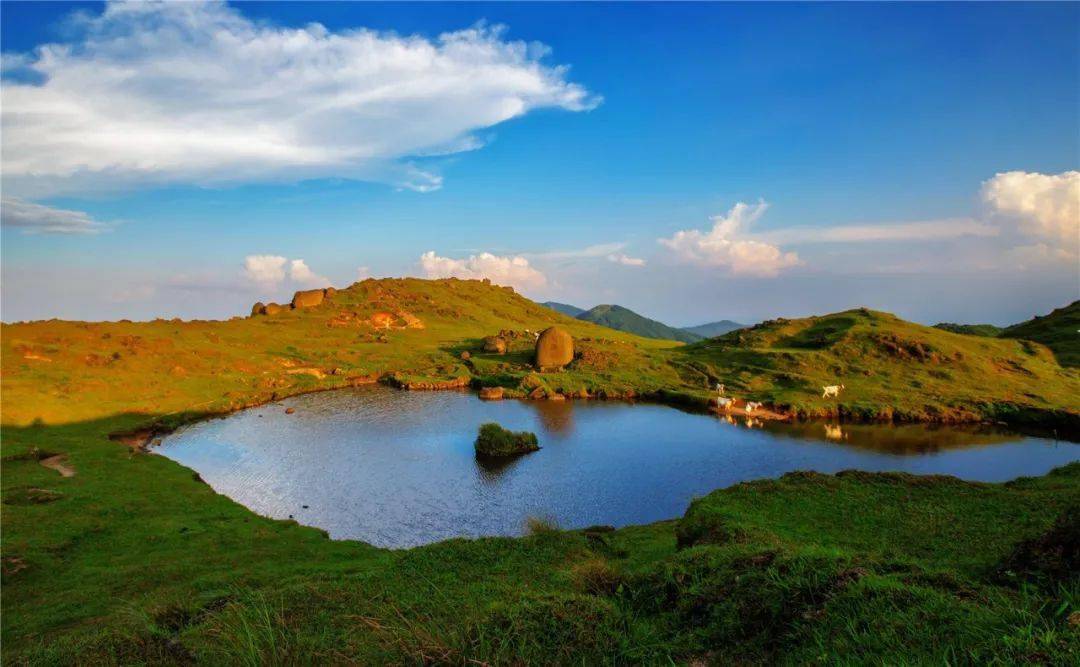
x=494, y=441
x=308, y=298
x=59, y=464
x=382, y=320
x=273, y=309
x=492, y=393
x=495, y=344
x=554, y=349
x=289, y=411
x=556, y=397
x=465, y=356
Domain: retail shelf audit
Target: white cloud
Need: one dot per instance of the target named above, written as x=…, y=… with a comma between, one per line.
x=625, y=260
x=727, y=245
x=38, y=219
x=923, y=230
x=588, y=252
x=502, y=270
x=151, y=93
x=265, y=270
x=302, y=275
x=1043, y=206
x=363, y=273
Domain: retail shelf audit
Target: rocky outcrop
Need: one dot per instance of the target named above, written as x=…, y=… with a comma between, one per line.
x=308, y=298
x=554, y=349
x=273, y=309
x=492, y=393
x=382, y=320
x=495, y=344
x=258, y=308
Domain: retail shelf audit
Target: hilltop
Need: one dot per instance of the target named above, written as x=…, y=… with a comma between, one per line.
x=891, y=368
x=564, y=308
x=714, y=329
x=1060, y=331
x=624, y=319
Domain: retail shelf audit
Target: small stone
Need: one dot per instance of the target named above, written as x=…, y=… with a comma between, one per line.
x=289, y=411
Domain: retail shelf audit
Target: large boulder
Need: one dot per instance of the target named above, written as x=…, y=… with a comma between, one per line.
x=258, y=309
x=308, y=298
x=554, y=349
x=273, y=309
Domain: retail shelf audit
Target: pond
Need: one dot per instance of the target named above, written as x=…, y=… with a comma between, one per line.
x=397, y=469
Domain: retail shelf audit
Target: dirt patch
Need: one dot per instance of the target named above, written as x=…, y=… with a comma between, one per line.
x=59, y=464
x=30, y=495
x=136, y=441
x=314, y=372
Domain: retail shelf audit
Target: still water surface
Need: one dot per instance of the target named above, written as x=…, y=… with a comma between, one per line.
x=397, y=468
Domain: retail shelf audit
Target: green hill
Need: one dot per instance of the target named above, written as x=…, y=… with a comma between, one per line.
x=890, y=368
x=1059, y=331
x=714, y=329
x=135, y=560
x=988, y=330
x=624, y=319
x=564, y=308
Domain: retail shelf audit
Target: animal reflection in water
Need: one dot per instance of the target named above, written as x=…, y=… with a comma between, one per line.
x=834, y=432
x=749, y=422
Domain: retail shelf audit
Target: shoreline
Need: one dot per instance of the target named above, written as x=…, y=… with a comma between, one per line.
x=140, y=438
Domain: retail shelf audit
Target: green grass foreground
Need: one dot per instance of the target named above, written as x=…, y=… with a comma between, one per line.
x=135, y=560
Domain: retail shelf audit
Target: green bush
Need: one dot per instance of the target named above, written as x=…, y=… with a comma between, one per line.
x=496, y=441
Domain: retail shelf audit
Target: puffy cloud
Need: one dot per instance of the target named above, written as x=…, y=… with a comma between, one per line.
x=1044, y=206
x=302, y=275
x=38, y=219
x=625, y=260
x=502, y=270
x=266, y=270
x=727, y=245
x=168, y=92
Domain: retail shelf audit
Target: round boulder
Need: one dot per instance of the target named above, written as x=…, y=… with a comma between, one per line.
x=258, y=309
x=554, y=349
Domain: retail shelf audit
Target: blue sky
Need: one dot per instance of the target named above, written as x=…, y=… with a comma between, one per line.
x=915, y=158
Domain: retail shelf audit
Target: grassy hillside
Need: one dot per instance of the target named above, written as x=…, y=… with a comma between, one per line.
x=564, y=308
x=1060, y=331
x=988, y=330
x=713, y=329
x=135, y=560
x=892, y=369
x=624, y=319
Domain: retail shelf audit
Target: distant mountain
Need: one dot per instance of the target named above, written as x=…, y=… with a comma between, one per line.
x=988, y=330
x=624, y=319
x=564, y=308
x=1059, y=331
x=714, y=329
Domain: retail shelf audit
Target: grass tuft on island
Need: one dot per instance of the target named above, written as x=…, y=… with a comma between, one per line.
x=494, y=441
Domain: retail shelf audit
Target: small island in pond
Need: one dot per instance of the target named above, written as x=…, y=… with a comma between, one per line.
x=494, y=441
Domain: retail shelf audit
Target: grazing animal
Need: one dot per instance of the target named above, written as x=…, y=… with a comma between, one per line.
x=719, y=389
x=751, y=406
x=722, y=402
x=832, y=390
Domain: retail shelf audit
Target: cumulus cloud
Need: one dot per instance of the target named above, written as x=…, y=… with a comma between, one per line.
x=625, y=260
x=1042, y=206
x=268, y=271
x=502, y=270
x=265, y=270
x=301, y=274
x=150, y=93
x=38, y=219
x=728, y=245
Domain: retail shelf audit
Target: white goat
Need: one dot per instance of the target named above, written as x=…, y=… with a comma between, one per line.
x=719, y=389
x=722, y=402
x=751, y=406
x=832, y=390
